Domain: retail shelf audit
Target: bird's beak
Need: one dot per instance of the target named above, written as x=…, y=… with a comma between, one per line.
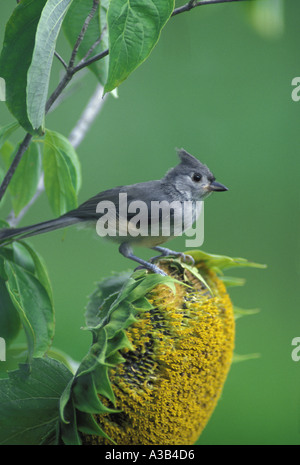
x=217, y=187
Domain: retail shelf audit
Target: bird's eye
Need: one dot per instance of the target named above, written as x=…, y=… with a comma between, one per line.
x=197, y=177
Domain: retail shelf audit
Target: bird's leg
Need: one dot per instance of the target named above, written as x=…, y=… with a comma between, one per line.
x=126, y=250
x=164, y=252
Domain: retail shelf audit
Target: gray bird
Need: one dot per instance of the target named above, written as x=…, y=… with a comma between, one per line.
x=188, y=183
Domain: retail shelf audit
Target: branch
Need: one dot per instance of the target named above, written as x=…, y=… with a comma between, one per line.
x=84, y=59
x=193, y=4
x=21, y=150
x=61, y=60
x=88, y=62
x=82, y=32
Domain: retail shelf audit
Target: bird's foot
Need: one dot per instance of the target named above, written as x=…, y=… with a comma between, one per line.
x=151, y=267
x=164, y=252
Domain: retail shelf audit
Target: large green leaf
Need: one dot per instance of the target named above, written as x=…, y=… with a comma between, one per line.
x=62, y=173
x=29, y=402
x=26, y=178
x=62, y=145
x=43, y=53
x=40, y=268
x=5, y=153
x=34, y=306
x=16, y=56
x=72, y=26
x=134, y=28
x=9, y=317
x=6, y=131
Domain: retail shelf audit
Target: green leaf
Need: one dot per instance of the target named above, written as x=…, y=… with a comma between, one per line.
x=43, y=53
x=88, y=425
x=9, y=318
x=62, y=173
x=134, y=28
x=267, y=17
x=34, y=307
x=68, y=429
x=6, y=131
x=64, y=403
x=3, y=224
x=232, y=281
x=22, y=257
x=64, y=358
x=134, y=290
x=24, y=183
x=29, y=402
x=86, y=398
x=104, y=289
x=5, y=153
x=243, y=358
x=16, y=57
x=220, y=262
x=15, y=354
x=40, y=268
x=62, y=145
x=120, y=318
x=72, y=26
x=240, y=312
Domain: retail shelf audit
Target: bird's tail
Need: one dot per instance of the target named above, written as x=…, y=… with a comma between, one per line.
x=12, y=234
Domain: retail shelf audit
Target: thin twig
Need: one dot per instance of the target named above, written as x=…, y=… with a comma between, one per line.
x=193, y=4
x=82, y=32
x=97, y=57
x=61, y=59
x=84, y=59
x=21, y=150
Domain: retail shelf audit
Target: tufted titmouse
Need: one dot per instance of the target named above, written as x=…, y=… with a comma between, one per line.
x=189, y=183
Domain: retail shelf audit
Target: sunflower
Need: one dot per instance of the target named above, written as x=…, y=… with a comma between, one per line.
x=162, y=349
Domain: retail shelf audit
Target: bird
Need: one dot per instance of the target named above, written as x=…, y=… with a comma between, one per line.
x=188, y=183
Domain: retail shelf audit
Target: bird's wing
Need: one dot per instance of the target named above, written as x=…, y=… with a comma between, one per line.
x=87, y=211
x=145, y=192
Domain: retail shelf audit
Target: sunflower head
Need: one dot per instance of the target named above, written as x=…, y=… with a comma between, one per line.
x=161, y=352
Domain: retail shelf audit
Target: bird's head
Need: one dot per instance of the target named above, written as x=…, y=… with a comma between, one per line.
x=192, y=179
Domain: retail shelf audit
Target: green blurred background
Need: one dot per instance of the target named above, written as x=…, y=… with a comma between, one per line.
x=221, y=90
